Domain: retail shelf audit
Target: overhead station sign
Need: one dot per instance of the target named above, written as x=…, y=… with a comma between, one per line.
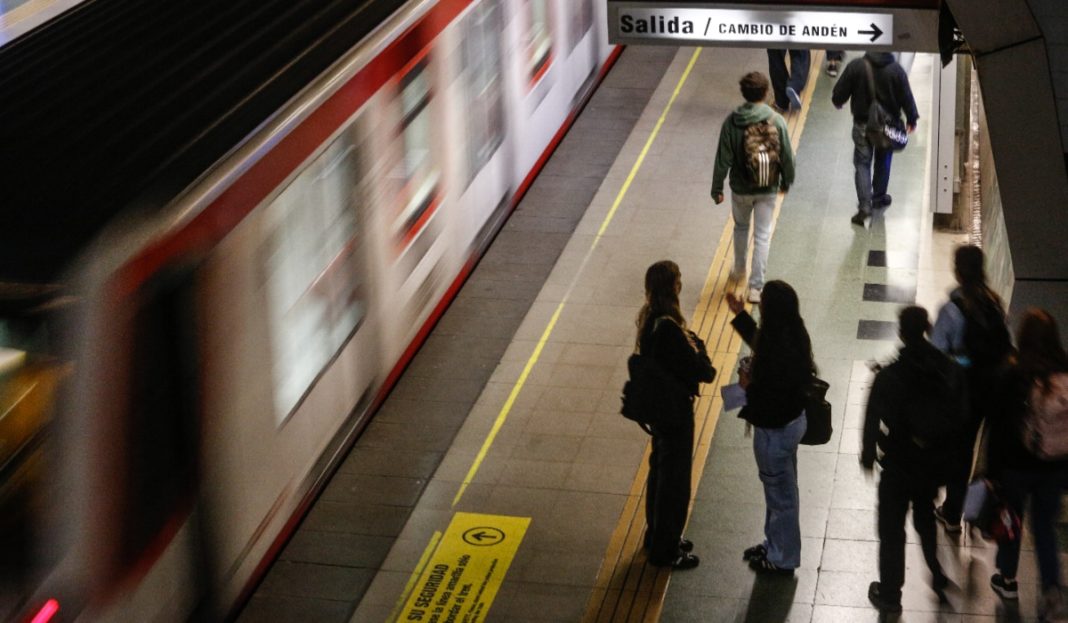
x=766, y=28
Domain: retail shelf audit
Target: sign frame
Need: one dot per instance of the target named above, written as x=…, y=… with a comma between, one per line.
x=912, y=29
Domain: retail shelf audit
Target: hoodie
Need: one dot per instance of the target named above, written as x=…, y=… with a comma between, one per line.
x=922, y=381
x=730, y=155
x=891, y=86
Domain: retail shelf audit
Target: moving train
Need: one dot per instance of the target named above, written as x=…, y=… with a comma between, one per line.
x=221, y=354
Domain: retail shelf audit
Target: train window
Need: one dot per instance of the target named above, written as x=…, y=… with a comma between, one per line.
x=482, y=81
x=160, y=430
x=421, y=174
x=581, y=20
x=315, y=290
x=538, y=40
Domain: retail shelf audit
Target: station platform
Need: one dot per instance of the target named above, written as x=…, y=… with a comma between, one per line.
x=499, y=471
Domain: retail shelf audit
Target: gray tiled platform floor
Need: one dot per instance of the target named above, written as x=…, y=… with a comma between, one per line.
x=329, y=563
x=827, y=260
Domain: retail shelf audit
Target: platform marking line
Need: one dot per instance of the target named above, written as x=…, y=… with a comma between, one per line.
x=534, y=356
x=625, y=590
x=416, y=574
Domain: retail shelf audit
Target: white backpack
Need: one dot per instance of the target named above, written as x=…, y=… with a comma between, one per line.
x=1046, y=422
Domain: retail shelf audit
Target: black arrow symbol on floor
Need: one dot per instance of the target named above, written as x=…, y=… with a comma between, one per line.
x=478, y=536
x=874, y=32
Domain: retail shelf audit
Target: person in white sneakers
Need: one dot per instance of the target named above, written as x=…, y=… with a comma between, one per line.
x=754, y=147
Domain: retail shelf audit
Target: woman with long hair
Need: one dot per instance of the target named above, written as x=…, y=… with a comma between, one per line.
x=970, y=328
x=664, y=338
x=1017, y=470
x=775, y=388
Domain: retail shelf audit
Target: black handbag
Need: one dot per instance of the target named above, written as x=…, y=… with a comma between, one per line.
x=818, y=414
x=884, y=131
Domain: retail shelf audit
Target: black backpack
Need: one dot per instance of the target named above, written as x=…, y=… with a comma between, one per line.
x=986, y=336
x=937, y=410
x=652, y=396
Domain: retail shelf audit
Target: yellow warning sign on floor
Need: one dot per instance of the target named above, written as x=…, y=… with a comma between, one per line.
x=461, y=579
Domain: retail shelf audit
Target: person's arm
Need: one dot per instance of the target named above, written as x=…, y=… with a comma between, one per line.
x=877, y=404
x=908, y=102
x=787, y=160
x=724, y=161
x=947, y=327
x=843, y=89
x=746, y=327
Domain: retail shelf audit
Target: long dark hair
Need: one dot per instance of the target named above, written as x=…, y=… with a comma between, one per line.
x=968, y=265
x=1038, y=340
x=662, y=281
x=782, y=333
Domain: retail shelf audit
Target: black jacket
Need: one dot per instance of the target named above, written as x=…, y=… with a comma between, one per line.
x=682, y=354
x=919, y=372
x=891, y=86
x=777, y=387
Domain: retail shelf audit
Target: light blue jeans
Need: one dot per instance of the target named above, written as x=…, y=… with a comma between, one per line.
x=743, y=208
x=776, y=457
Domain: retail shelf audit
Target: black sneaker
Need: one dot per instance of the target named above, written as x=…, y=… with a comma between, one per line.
x=764, y=566
x=680, y=563
x=1005, y=588
x=757, y=551
x=947, y=523
x=859, y=218
x=882, y=201
x=885, y=605
x=685, y=546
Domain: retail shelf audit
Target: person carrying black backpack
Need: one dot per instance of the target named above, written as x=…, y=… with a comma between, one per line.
x=970, y=328
x=916, y=410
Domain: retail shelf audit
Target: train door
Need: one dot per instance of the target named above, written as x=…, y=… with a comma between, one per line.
x=485, y=163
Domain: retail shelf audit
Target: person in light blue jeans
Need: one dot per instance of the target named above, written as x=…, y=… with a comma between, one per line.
x=776, y=386
x=775, y=450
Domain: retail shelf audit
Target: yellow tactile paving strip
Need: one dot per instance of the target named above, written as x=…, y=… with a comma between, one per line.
x=628, y=589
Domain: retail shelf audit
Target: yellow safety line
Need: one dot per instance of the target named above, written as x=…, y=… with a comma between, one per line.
x=626, y=588
x=423, y=560
x=533, y=359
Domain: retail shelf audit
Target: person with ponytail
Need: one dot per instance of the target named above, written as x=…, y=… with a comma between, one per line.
x=970, y=328
x=1017, y=471
x=775, y=388
x=663, y=336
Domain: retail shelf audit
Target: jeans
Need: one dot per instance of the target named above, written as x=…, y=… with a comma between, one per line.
x=776, y=458
x=796, y=77
x=1045, y=492
x=667, y=490
x=869, y=184
x=896, y=490
x=743, y=207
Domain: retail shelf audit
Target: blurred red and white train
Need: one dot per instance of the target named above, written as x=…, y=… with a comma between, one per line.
x=230, y=347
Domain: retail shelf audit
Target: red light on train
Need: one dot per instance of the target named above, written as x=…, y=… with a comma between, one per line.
x=47, y=611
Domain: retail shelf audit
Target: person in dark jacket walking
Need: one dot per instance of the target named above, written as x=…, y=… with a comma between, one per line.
x=775, y=388
x=1017, y=472
x=663, y=336
x=893, y=91
x=788, y=83
x=748, y=197
x=970, y=328
x=915, y=408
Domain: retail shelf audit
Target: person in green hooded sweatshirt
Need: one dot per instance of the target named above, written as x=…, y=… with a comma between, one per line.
x=760, y=161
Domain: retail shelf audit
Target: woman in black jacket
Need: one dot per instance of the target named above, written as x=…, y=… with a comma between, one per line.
x=662, y=336
x=1017, y=470
x=775, y=389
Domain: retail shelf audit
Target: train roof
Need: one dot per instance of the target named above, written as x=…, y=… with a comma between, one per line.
x=117, y=105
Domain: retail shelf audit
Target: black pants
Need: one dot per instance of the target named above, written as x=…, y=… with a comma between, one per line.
x=835, y=55
x=896, y=490
x=796, y=77
x=980, y=396
x=667, y=491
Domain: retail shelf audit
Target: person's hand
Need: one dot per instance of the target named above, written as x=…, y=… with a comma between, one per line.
x=743, y=378
x=911, y=128
x=735, y=304
x=718, y=198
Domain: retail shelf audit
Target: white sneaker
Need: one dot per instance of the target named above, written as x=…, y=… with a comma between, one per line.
x=754, y=295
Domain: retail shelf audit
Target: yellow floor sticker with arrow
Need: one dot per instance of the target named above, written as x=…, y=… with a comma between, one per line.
x=462, y=577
